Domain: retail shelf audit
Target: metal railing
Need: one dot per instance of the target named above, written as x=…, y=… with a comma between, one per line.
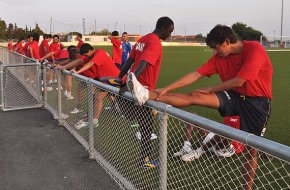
x=107, y=125
x=20, y=82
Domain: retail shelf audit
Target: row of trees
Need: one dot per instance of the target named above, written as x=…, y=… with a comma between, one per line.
x=13, y=31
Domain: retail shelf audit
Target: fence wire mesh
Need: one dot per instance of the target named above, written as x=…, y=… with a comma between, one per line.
x=118, y=126
x=120, y=134
x=20, y=82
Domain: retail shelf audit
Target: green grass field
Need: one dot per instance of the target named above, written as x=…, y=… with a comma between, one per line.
x=178, y=61
x=115, y=140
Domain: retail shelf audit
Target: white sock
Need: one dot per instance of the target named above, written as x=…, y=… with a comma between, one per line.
x=68, y=94
x=200, y=150
x=187, y=144
x=95, y=121
x=65, y=93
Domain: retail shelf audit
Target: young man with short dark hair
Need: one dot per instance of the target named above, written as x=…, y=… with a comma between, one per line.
x=97, y=64
x=246, y=89
x=145, y=59
x=79, y=39
x=117, y=48
x=126, y=48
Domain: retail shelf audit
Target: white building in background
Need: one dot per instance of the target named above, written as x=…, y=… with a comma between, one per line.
x=89, y=38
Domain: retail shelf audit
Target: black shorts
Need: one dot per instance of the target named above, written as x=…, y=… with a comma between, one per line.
x=254, y=112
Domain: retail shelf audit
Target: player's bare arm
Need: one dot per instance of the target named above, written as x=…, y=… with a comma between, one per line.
x=227, y=85
x=85, y=67
x=183, y=81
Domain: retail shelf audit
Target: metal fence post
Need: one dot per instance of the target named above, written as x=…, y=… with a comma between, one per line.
x=163, y=152
x=44, y=94
x=1, y=87
x=39, y=81
x=90, y=98
x=59, y=97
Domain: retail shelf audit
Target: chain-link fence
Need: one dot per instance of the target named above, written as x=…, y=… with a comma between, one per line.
x=111, y=128
x=20, y=82
x=119, y=135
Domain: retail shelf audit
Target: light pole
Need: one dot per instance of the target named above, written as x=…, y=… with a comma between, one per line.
x=281, y=34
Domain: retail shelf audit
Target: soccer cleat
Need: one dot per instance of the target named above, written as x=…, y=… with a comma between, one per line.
x=224, y=152
x=193, y=155
x=150, y=163
x=76, y=110
x=139, y=92
x=183, y=151
x=153, y=136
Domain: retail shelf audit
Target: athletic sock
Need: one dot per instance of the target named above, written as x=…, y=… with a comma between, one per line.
x=187, y=144
x=200, y=150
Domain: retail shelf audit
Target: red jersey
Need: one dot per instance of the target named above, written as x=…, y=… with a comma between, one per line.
x=103, y=65
x=19, y=47
x=117, y=50
x=44, y=44
x=10, y=46
x=63, y=54
x=34, y=47
x=56, y=49
x=25, y=48
x=87, y=73
x=149, y=49
x=81, y=42
x=252, y=65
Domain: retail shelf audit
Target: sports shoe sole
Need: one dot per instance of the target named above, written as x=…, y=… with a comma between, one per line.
x=130, y=86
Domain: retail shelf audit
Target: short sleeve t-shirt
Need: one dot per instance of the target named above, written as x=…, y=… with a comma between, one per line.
x=126, y=48
x=149, y=49
x=34, y=47
x=56, y=49
x=103, y=65
x=252, y=65
x=44, y=44
x=25, y=48
x=117, y=50
x=80, y=43
x=10, y=46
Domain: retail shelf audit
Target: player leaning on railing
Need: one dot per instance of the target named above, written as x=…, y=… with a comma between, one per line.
x=246, y=89
x=96, y=64
x=145, y=59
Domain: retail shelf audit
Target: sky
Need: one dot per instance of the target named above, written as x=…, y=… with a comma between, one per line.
x=140, y=16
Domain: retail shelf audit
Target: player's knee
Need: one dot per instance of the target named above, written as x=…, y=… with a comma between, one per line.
x=195, y=95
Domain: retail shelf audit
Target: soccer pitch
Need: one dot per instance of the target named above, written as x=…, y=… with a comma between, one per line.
x=115, y=139
x=178, y=61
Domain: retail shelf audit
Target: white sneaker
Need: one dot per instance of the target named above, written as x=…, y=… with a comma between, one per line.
x=81, y=123
x=69, y=97
x=139, y=92
x=48, y=88
x=183, y=151
x=96, y=122
x=193, y=155
x=54, y=81
x=50, y=82
x=64, y=116
x=153, y=136
x=224, y=152
x=65, y=93
x=76, y=110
